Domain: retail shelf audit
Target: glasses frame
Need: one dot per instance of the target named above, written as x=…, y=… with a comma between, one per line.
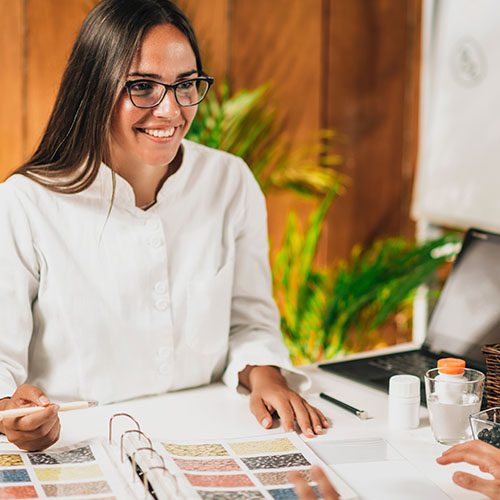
x=128, y=85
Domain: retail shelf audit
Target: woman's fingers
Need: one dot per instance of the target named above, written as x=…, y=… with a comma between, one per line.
x=326, y=488
x=474, y=447
x=30, y=394
x=473, y=458
x=302, y=488
x=286, y=414
x=302, y=416
x=34, y=421
x=27, y=442
x=488, y=487
x=261, y=412
x=290, y=408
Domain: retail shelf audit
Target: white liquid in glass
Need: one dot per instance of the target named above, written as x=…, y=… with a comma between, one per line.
x=450, y=421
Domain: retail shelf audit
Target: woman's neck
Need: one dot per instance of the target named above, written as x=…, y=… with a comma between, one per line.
x=147, y=180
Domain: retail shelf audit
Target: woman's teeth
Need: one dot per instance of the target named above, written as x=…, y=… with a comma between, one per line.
x=169, y=132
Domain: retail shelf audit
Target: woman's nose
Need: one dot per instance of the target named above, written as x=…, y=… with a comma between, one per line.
x=168, y=107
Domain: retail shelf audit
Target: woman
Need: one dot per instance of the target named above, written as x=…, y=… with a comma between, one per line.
x=134, y=262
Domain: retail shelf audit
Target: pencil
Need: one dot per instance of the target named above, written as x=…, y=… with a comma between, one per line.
x=362, y=414
x=21, y=412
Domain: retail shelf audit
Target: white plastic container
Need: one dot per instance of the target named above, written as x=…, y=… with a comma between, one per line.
x=451, y=385
x=404, y=402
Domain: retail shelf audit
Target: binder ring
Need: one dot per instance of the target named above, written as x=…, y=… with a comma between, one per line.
x=169, y=475
x=134, y=461
x=132, y=431
x=110, y=425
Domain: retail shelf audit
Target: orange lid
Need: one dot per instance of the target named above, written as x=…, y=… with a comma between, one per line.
x=451, y=366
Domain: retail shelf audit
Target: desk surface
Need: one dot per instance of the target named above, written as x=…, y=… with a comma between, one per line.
x=216, y=411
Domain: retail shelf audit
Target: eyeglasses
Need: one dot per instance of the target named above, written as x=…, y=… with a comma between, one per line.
x=148, y=93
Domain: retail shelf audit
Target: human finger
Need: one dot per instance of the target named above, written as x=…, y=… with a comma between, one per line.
x=317, y=418
x=473, y=458
x=261, y=412
x=302, y=488
x=26, y=442
x=28, y=393
x=328, y=492
x=476, y=446
x=302, y=416
x=286, y=414
x=488, y=487
x=324, y=421
x=33, y=421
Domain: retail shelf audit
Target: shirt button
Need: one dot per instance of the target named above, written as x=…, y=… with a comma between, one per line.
x=163, y=351
x=155, y=242
x=160, y=287
x=163, y=368
x=153, y=224
x=161, y=305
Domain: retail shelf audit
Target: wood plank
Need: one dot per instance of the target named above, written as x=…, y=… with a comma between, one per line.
x=211, y=24
x=368, y=101
x=52, y=29
x=280, y=43
x=11, y=78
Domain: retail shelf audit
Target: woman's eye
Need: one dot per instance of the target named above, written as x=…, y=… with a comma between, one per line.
x=141, y=88
x=186, y=86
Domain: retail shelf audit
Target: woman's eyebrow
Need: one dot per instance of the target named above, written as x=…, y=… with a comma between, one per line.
x=159, y=77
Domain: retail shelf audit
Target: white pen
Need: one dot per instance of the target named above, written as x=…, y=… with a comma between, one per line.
x=21, y=412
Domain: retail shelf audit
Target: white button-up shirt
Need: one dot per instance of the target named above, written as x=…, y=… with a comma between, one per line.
x=140, y=302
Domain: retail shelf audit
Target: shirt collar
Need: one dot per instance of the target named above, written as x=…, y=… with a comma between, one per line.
x=124, y=196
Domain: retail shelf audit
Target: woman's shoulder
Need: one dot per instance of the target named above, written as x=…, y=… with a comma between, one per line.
x=224, y=163
x=207, y=154
x=18, y=186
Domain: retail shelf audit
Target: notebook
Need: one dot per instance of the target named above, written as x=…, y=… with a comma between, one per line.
x=465, y=317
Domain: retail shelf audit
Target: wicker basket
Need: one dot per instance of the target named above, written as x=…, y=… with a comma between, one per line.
x=492, y=356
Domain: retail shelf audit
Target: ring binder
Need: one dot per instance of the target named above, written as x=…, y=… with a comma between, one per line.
x=143, y=469
x=110, y=424
x=152, y=450
x=132, y=431
x=169, y=475
x=243, y=467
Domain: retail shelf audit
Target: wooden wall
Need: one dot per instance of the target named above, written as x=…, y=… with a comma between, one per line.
x=351, y=65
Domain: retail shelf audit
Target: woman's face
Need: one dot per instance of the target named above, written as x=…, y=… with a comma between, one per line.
x=165, y=55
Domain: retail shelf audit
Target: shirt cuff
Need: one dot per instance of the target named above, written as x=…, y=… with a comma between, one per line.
x=296, y=379
x=7, y=386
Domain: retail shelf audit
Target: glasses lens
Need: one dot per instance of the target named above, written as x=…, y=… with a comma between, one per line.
x=146, y=94
x=191, y=92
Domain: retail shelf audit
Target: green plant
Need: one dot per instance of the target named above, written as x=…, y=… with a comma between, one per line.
x=244, y=124
x=319, y=307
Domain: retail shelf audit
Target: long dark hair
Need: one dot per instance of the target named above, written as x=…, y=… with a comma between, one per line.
x=76, y=140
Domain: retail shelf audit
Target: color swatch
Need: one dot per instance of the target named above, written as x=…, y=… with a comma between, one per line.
x=82, y=471
x=253, y=468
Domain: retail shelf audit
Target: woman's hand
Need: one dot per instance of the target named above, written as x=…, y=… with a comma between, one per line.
x=305, y=492
x=269, y=393
x=32, y=432
x=479, y=453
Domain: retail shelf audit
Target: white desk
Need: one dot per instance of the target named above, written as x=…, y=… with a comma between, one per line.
x=216, y=411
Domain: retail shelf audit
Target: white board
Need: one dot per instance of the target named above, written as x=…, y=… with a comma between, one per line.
x=458, y=176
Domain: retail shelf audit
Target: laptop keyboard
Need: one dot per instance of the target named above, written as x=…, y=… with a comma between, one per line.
x=412, y=363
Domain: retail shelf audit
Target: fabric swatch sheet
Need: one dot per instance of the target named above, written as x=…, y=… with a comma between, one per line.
x=82, y=471
x=244, y=468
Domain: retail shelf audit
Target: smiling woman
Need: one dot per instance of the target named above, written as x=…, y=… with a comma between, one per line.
x=133, y=261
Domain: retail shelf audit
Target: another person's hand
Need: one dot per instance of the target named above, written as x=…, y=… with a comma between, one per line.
x=305, y=492
x=32, y=432
x=479, y=453
x=270, y=393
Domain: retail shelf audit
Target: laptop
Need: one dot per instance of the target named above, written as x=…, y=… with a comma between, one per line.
x=466, y=317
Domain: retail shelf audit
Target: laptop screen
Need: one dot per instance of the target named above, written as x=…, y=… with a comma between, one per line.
x=467, y=313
